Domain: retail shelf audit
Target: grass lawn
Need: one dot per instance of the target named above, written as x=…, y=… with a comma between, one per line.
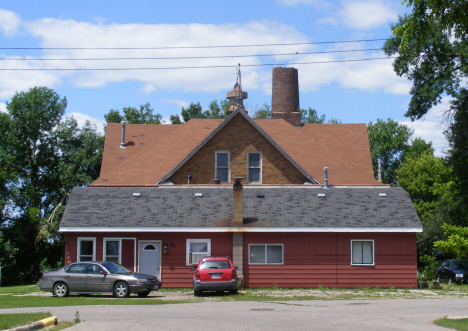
x=457, y=324
x=24, y=289
x=9, y=321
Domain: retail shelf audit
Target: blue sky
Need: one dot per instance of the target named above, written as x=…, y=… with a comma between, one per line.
x=352, y=92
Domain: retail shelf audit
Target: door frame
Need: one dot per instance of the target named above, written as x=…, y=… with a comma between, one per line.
x=160, y=254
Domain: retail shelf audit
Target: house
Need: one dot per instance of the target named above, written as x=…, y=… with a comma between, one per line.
x=292, y=205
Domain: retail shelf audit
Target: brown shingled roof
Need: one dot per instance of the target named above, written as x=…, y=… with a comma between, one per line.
x=153, y=150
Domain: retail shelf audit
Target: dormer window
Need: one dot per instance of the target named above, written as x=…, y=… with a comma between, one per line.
x=222, y=166
x=254, y=167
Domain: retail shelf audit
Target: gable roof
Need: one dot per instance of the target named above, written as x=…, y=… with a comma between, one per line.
x=154, y=151
x=238, y=112
x=299, y=208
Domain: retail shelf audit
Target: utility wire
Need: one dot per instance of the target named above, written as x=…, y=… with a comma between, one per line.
x=187, y=57
x=200, y=67
x=195, y=47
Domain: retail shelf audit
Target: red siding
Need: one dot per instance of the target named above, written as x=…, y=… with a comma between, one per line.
x=324, y=259
x=310, y=259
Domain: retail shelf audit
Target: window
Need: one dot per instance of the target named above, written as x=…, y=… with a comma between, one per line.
x=362, y=252
x=197, y=249
x=266, y=254
x=112, y=250
x=86, y=249
x=222, y=166
x=254, y=167
x=94, y=269
x=77, y=269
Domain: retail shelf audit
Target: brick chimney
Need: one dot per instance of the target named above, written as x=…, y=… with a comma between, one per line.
x=285, y=95
x=238, y=202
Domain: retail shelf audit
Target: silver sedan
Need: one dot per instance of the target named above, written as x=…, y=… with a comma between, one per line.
x=97, y=277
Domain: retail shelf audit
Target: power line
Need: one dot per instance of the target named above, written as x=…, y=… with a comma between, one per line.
x=189, y=47
x=189, y=57
x=187, y=67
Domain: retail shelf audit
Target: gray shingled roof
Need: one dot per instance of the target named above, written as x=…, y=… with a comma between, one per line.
x=173, y=207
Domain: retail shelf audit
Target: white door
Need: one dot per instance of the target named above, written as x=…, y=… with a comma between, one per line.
x=150, y=258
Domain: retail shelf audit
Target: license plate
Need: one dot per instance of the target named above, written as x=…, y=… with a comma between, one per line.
x=459, y=275
x=216, y=276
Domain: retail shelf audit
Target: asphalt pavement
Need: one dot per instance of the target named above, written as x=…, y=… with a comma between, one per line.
x=393, y=314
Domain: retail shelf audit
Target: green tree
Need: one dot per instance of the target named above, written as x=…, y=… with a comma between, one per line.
x=219, y=109
x=311, y=116
x=457, y=241
x=45, y=160
x=132, y=115
x=262, y=112
x=215, y=110
x=391, y=143
x=428, y=181
x=431, y=45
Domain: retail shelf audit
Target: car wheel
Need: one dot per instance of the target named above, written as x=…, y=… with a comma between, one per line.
x=196, y=292
x=143, y=294
x=60, y=290
x=121, y=290
x=233, y=291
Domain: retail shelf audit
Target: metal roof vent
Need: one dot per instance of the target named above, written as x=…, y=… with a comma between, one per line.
x=137, y=195
x=198, y=195
x=321, y=195
x=382, y=195
x=325, y=180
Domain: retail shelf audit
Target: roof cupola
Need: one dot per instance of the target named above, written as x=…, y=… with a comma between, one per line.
x=237, y=96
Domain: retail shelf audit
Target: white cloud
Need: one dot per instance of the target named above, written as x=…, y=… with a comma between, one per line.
x=178, y=103
x=82, y=118
x=370, y=75
x=148, y=89
x=3, y=107
x=431, y=127
x=362, y=14
x=9, y=23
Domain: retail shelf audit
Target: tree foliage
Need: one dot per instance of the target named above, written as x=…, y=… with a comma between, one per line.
x=307, y=116
x=45, y=159
x=457, y=241
x=428, y=181
x=391, y=143
x=215, y=110
x=131, y=115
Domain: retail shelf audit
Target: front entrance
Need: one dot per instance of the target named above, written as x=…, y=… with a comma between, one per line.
x=150, y=258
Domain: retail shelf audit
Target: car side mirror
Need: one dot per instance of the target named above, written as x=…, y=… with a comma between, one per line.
x=237, y=268
x=102, y=272
x=193, y=268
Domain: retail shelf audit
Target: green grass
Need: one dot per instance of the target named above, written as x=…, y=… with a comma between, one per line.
x=457, y=324
x=8, y=321
x=9, y=301
x=24, y=289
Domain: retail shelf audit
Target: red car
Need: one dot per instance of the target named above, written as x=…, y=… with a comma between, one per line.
x=215, y=273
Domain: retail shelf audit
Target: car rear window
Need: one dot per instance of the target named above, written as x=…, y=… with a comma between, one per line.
x=216, y=264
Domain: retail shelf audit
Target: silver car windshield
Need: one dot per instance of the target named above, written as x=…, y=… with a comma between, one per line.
x=115, y=268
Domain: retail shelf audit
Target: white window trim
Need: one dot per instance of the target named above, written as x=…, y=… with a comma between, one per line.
x=187, y=249
x=104, y=253
x=373, y=252
x=261, y=166
x=78, y=247
x=228, y=167
x=271, y=244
